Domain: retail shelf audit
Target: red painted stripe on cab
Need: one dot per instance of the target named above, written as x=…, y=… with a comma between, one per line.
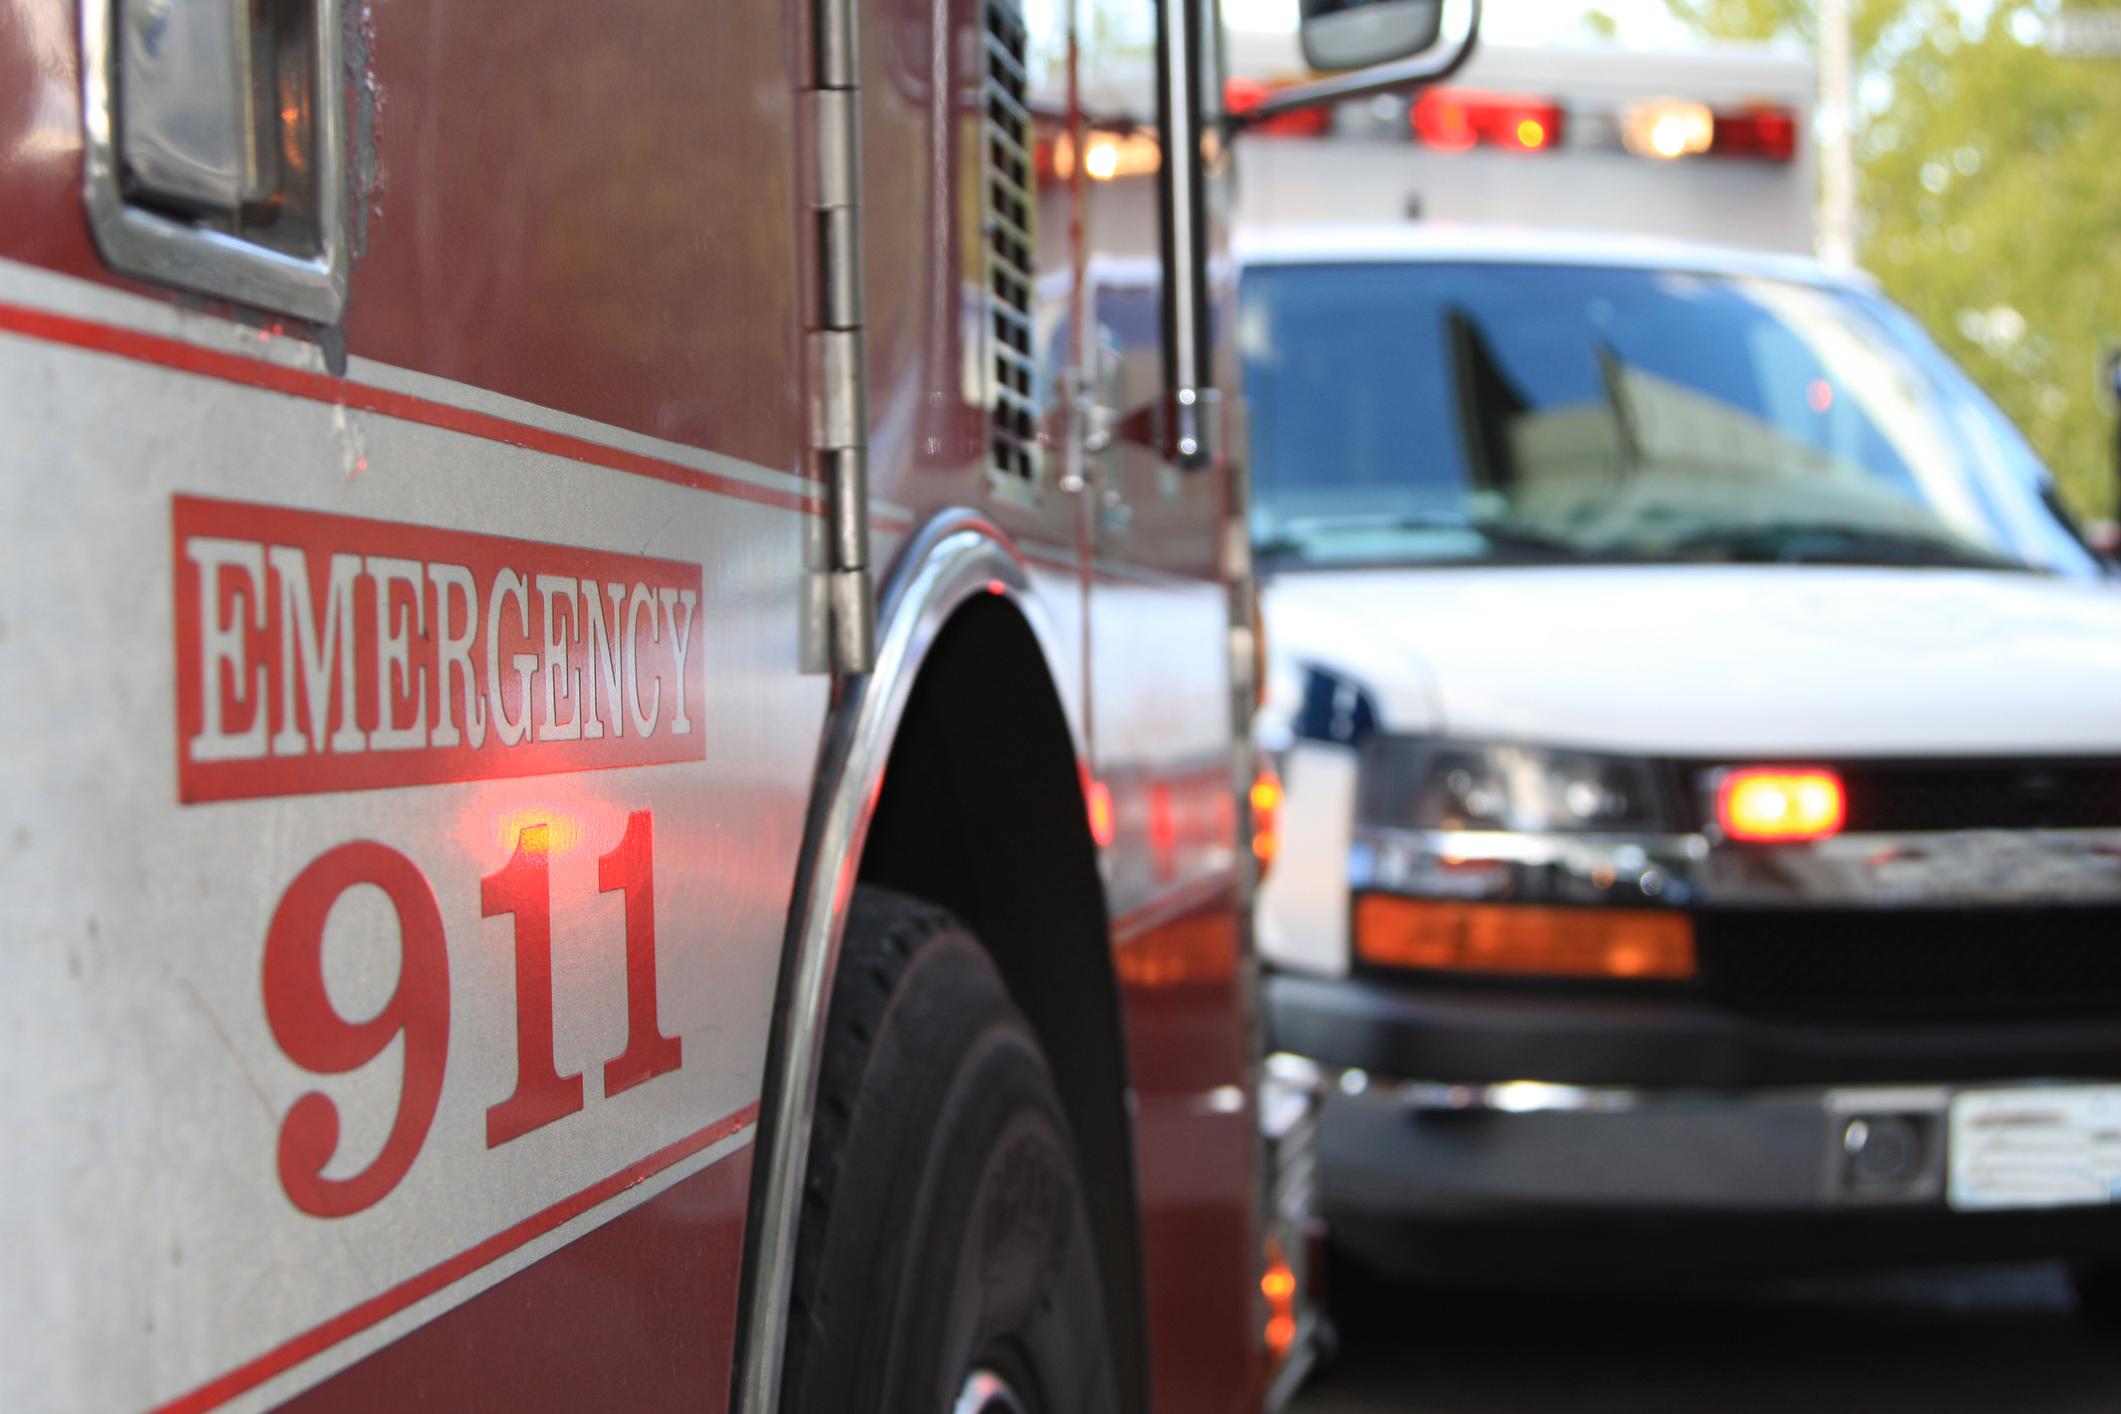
x=322, y=388
x=381, y=1307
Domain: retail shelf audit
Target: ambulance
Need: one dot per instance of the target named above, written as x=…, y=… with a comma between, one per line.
x=625, y=787
x=1699, y=720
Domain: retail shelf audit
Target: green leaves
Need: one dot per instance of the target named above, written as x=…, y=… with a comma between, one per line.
x=1989, y=188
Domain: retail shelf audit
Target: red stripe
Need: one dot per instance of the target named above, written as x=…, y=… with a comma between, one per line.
x=381, y=1307
x=321, y=388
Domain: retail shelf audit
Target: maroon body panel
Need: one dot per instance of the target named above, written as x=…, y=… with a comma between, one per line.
x=590, y=207
x=42, y=219
x=638, y=1315
x=1183, y=979
x=586, y=207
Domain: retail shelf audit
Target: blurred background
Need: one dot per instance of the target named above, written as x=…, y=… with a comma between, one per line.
x=1963, y=157
x=1979, y=142
x=1983, y=194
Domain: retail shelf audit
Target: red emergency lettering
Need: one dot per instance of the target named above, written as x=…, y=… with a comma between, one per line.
x=321, y=652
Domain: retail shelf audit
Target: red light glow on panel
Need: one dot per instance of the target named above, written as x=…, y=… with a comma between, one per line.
x=1101, y=822
x=1455, y=120
x=1163, y=830
x=1773, y=805
x=1819, y=396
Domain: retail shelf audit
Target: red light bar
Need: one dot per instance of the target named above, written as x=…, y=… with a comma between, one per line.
x=1778, y=805
x=1455, y=119
x=1244, y=95
x=1764, y=134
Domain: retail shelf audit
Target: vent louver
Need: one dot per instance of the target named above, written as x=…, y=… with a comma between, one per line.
x=1008, y=208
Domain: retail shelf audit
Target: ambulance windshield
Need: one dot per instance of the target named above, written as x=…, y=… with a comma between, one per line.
x=1487, y=412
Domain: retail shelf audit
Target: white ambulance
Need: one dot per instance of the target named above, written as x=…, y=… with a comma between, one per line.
x=1700, y=726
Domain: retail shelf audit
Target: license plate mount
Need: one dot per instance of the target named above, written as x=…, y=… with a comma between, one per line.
x=2034, y=1146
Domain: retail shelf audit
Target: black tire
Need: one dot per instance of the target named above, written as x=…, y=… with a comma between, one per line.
x=943, y=1232
x=2098, y=1287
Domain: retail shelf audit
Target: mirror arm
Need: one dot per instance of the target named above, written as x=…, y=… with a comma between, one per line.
x=1460, y=37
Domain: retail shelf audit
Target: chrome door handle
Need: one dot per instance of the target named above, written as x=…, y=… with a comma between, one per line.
x=215, y=160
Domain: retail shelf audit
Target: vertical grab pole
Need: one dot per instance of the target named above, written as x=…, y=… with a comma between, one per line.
x=1181, y=231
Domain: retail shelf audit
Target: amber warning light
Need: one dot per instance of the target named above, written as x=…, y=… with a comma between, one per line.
x=1781, y=805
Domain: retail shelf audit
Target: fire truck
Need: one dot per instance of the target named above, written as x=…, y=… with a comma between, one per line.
x=632, y=789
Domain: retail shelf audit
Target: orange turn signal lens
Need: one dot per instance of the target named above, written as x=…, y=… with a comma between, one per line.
x=1445, y=935
x=1781, y=805
x=1278, y=1285
x=1266, y=814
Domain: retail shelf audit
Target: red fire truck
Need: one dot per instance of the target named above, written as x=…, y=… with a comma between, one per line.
x=629, y=791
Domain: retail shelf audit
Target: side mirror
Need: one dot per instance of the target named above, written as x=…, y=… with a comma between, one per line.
x=1371, y=47
x=1354, y=34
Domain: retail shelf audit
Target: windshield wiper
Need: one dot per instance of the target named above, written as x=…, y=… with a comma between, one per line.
x=1804, y=542
x=1511, y=539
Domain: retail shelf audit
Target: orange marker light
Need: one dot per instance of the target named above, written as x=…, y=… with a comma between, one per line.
x=1631, y=944
x=1531, y=134
x=1767, y=804
x=1266, y=815
x=1278, y=1285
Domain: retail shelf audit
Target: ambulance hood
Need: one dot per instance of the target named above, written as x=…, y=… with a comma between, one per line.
x=1722, y=660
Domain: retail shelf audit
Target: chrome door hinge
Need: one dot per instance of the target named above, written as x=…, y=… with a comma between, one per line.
x=835, y=369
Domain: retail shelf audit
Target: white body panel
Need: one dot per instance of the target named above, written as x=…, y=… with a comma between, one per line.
x=147, y=1089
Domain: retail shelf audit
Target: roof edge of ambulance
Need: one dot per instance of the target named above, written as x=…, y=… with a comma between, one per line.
x=1440, y=242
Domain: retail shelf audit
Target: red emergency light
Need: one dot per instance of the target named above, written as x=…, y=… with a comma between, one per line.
x=1456, y=120
x=1668, y=128
x=1244, y=95
x=1764, y=134
x=1767, y=804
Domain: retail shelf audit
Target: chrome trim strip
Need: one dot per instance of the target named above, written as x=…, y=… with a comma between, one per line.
x=1528, y=868
x=1523, y=1097
x=1902, y=870
x=953, y=558
x=139, y=242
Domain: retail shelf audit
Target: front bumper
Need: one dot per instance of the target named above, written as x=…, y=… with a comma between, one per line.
x=1545, y=1134
x=1488, y=1036
x=1537, y=1182
x=1945, y=941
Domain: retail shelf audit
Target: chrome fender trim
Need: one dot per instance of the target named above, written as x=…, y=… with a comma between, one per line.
x=955, y=557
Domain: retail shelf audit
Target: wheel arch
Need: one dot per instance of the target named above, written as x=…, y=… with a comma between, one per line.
x=950, y=773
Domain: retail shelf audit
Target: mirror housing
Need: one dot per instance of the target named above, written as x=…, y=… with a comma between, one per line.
x=1353, y=34
x=1377, y=33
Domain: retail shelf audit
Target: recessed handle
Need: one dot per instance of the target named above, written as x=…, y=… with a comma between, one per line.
x=214, y=153
x=187, y=110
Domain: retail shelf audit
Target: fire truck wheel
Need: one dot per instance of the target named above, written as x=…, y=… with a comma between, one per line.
x=2098, y=1286
x=944, y=1260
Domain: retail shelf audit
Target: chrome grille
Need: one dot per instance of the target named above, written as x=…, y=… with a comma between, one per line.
x=1008, y=229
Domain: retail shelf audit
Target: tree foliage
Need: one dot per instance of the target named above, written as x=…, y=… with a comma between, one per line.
x=1989, y=196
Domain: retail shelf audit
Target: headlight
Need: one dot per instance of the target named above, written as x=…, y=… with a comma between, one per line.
x=1419, y=784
